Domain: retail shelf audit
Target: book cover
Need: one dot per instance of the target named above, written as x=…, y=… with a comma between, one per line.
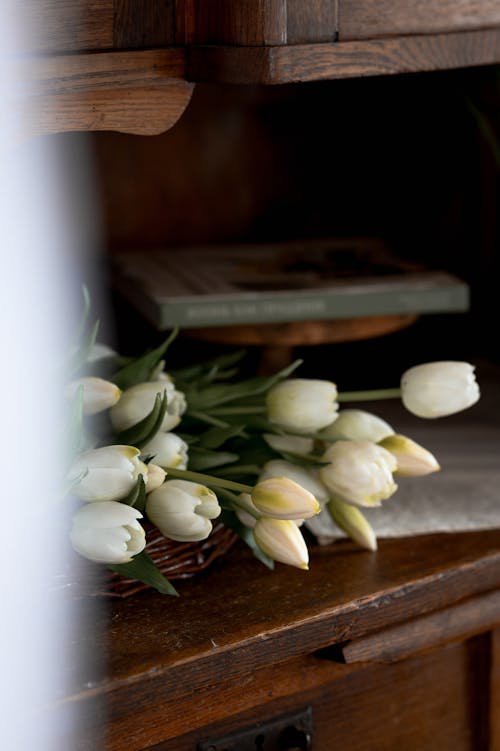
x=197, y=287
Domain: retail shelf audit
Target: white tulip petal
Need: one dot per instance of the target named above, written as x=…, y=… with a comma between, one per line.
x=357, y=425
x=307, y=478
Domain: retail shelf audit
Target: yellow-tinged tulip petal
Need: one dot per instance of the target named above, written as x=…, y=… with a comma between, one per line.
x=282, y=498
x=350, y=519
x=413, y=460
x=282, y=541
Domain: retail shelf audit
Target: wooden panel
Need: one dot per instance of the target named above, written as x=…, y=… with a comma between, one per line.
x=419, y=705
x=135, y=92
x=314, y=62
x=312, y=21
x=457, y=622
x=237, y=22
x=66, y=25
x=150, y=23
x=365, y=19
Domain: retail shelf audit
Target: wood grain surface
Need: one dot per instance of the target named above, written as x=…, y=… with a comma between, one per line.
x=238, y=22
x=313, y=62
x=366, y=19
x=141, y=92
x=67, y=25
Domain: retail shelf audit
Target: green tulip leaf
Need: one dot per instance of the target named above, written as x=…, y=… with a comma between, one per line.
x=193, y=372
x=141, y=433
x=137, y=496
x=201, y=459
x=215, y=437
x=142, y=568
x=213, y=396
x=79, y=358
x=140, y=369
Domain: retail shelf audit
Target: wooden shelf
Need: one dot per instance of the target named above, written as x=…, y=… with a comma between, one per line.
x=229, y=41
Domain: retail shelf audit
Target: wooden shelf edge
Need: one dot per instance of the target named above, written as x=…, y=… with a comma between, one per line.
x=313, y=62
x=142, y=92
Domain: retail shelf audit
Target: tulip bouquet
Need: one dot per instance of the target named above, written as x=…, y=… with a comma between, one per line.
x=182, y=447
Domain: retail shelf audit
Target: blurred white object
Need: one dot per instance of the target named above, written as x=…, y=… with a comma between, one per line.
x=39, y=241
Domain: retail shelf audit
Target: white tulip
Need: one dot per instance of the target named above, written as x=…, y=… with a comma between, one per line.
x=307, y=478
x=357, y=425
x=282, y=541
x=107, y=532
x=292, y=443
x=413, y=460
x=182, y=510
x=138, y=401
x=106, y=474
x=168, y=449
x=155, y=477
x=282, y=498
x=436, y=389
x=302, y=405
x=359, y=472
x=98, y=394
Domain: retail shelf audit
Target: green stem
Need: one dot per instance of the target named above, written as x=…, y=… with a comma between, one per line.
x=243, y=410
x=203, y=417
x=234, y=501
x=367, y=396
x=213, y=482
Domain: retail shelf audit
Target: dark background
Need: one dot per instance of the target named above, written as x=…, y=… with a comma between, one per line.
x=411, y=159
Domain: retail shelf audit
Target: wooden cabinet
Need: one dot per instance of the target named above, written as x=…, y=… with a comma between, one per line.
x=122, y=65
x=374, y=651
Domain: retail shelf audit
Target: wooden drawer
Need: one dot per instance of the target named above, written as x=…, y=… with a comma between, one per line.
x=435, y=701
x=366, y=19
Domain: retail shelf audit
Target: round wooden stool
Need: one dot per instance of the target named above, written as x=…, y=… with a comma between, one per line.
x=278, y=340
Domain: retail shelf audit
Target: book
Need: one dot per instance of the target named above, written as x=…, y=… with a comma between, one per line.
x=325, y=279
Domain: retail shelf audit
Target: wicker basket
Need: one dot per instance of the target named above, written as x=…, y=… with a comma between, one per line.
x=176, y=560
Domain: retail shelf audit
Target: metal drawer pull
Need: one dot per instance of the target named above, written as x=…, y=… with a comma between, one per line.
x=285, y=733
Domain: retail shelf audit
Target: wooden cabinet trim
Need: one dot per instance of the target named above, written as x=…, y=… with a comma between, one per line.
x=142, y=92
x=314, y=62
x=365, y=19
x=458, y=622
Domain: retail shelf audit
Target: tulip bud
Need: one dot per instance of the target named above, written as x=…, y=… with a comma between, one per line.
x=98, y=394
x=351, y=520
x=302, y=405
x=282, y=541
x=436, y=389
x=359, y=472
x=307, y=478
x=182, y=510
x=282, y=498
x=107, y=532
x=106, y=474
x=289, y=443
x=412, y=458
x=138, y=401
x=168, y=449
x=357, y=425
x=155, y=477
